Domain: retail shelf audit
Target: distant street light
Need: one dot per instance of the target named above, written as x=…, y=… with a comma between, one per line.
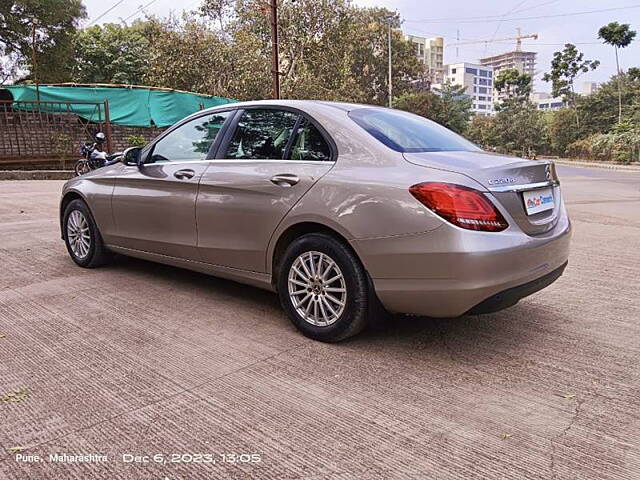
x=389, y=20
x=34, y=59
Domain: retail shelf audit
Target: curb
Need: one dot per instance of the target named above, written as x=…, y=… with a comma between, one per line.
x=36, y=174
x=606, y=166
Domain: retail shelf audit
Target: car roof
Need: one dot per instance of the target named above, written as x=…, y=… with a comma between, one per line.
x=346, y=106
x=302, y=104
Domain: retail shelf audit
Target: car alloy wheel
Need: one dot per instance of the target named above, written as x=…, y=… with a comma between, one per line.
x=323, y=287
x=317, y=288
x=78, y=234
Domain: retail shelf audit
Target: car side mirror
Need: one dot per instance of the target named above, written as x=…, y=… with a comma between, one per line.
x=131, y=156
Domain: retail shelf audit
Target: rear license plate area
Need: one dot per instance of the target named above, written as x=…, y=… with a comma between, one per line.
x=540, y=200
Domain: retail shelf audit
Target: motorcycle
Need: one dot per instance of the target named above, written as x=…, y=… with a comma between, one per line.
x=94, y=156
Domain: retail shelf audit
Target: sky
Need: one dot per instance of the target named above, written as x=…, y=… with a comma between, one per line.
x=555, y=22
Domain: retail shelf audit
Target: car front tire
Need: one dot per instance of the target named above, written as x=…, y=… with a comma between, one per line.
x=82, y=237
x=323, y=287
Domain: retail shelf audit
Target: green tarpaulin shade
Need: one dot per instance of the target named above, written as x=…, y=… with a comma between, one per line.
x=135, y=107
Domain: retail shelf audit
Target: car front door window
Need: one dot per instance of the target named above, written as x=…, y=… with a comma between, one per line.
x=190, y=141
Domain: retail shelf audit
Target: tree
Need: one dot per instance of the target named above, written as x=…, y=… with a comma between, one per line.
x=483, y=131
x=330, y=50
x=602, y=105
x=620, y=36
x=333, y=50
x=188, y=55
x=450, y=107
x=560, y=130
x=368, y=57
x=316, y=41
x=425, y=104
x=220, y=11
x=9, y=67
x=521, y=130
x=566, y=66
x=456, y=107
x=111, y=54
x=518, y=127
x=515, y=85
x=52, y=23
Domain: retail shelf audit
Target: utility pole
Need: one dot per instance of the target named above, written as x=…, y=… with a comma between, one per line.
x=275, y=61
x=390, y=86
x=34, y=59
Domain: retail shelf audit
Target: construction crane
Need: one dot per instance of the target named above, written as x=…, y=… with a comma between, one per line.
x=518, y=38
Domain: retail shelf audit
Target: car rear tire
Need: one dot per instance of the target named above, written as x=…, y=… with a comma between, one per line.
x=323, y=288
x=82, y=237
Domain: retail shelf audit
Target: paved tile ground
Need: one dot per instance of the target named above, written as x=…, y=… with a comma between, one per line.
x=142, y=359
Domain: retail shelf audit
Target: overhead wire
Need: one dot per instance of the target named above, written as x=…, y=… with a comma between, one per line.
x=104, y=13
x=494, y=19
x=140, y=9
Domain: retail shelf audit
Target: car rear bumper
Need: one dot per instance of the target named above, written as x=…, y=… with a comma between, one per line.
x=449, y=272
x=511, y=296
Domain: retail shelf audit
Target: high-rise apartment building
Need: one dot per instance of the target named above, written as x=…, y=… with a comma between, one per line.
x=430, y=51
x=524, y=62
x=478, y=83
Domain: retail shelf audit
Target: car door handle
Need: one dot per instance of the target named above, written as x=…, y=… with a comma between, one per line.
x=285, y=179
x=185, y=174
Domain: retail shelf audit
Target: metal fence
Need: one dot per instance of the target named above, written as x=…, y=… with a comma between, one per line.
x=39, y=132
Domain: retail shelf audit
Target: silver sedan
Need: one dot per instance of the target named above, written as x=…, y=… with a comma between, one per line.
x=344, y=210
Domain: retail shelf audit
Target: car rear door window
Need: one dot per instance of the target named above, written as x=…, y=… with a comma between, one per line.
x=262, y=134
x=309, y=144
x=190, y=141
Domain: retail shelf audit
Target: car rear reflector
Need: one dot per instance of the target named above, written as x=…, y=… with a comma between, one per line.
x=462, y=206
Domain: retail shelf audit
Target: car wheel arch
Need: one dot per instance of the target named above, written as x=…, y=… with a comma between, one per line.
x=295, y=231
x=69, y=197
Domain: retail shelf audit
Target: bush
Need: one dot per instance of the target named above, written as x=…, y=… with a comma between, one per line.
x=136, y=141
x=515, y=130
x=620, y=147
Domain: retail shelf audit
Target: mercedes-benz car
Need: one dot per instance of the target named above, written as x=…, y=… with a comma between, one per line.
x=344, y=210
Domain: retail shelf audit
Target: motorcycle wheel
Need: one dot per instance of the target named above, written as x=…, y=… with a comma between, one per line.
x=81, y=167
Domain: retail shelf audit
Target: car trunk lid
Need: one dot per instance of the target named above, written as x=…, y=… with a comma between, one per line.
x=509, y=180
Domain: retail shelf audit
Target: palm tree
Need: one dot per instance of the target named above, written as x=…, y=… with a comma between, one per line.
x=620, y=36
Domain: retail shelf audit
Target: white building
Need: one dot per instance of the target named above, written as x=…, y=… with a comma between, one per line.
x=430, y=51
x=544, y=101
x=478, y=83
x=589, y=88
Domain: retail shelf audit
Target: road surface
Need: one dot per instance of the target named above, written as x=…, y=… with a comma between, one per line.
x=138, y=359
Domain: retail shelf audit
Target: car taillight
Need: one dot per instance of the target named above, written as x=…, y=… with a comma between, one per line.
x=462, y=206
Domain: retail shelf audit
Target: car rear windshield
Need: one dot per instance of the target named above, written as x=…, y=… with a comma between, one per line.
x=406, y=132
